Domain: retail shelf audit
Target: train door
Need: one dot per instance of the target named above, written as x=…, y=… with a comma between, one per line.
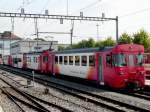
x=100, y=69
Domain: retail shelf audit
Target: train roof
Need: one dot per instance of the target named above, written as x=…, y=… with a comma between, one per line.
x=34, y=53
x=85, y=50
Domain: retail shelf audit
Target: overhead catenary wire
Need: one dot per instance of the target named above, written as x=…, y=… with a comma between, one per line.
x=135, y=12
x=88, y=6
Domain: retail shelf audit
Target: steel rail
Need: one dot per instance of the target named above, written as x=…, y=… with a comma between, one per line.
x=12, y=99
x=91, y=94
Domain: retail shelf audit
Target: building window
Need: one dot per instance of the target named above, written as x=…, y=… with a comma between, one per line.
x=84, y=60
x=77, y=60
x=60, y=59
x=70, y=60
x=91, y=60
x=56, y=59
x=65, y=60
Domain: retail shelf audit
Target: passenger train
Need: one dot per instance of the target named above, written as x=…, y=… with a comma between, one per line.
x=119, y=67
x=147, y=64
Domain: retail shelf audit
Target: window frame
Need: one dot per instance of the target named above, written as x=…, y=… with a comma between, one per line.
x=65, y=62
x=82, y=63
x=56, y=61
x=60, y=60
x=77, y=63
x=91, y=64
x=71, y=61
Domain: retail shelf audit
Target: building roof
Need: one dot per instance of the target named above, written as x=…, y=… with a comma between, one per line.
x=7, y=35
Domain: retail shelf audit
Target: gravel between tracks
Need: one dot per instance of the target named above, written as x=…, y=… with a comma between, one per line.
x=57, y=97
x=72, y=103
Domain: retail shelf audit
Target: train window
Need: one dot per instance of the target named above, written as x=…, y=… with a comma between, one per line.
x=91, y=60
x=108, y=60
x=34, y=59
x=19, y=59
x=70, y=60
x=56, y=59
x=120, y=60
x=84, y=60
x=146, y=58
x=139, y=59
x=15, y=60
x=65, y=60
x=29, y=59
x=77, y=60
x=60, y=59
x=45, y=59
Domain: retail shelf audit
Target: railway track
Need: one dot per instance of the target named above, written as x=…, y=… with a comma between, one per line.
x=33, y=102
x=140, y=94
x=85, y=95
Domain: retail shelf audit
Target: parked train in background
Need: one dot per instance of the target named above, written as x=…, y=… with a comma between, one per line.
x=118, y=67
x=147, y=64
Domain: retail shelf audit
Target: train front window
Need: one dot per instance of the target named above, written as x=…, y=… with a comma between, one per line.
x=139, y=59
x=120, y=60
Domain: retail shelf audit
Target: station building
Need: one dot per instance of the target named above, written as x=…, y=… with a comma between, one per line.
x=6, y=38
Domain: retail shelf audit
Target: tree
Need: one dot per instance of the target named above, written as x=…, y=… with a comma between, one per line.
x=84, y=44
x=109, y=42
x=142, y=37
x=61, y=48
x=125, y=39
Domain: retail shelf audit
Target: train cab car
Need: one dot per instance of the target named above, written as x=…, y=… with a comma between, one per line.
x=47, y=62
x=147, y=64
x=124, y=67
x=118, y=67
x=7, y=60
x=32, y=61
x=17, y=60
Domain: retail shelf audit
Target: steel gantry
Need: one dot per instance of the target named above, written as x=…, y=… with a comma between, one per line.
x=61, y=18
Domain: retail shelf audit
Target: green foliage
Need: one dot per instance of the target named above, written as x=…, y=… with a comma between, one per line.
x=61, y=48
x=125, y=39
x=109, y=42
x=142, y=37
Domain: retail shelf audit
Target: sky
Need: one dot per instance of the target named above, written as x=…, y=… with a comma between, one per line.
x=133, y=15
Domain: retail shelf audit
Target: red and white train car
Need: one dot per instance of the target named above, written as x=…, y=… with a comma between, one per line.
x=32, y=61
x=17, y=60
x=147, y=64
x=7, y=60
x=117, y=67
x=47, y=60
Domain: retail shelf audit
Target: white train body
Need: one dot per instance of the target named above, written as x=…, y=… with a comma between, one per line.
x=67, y=65
x=33, y=61
x=17, y=60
